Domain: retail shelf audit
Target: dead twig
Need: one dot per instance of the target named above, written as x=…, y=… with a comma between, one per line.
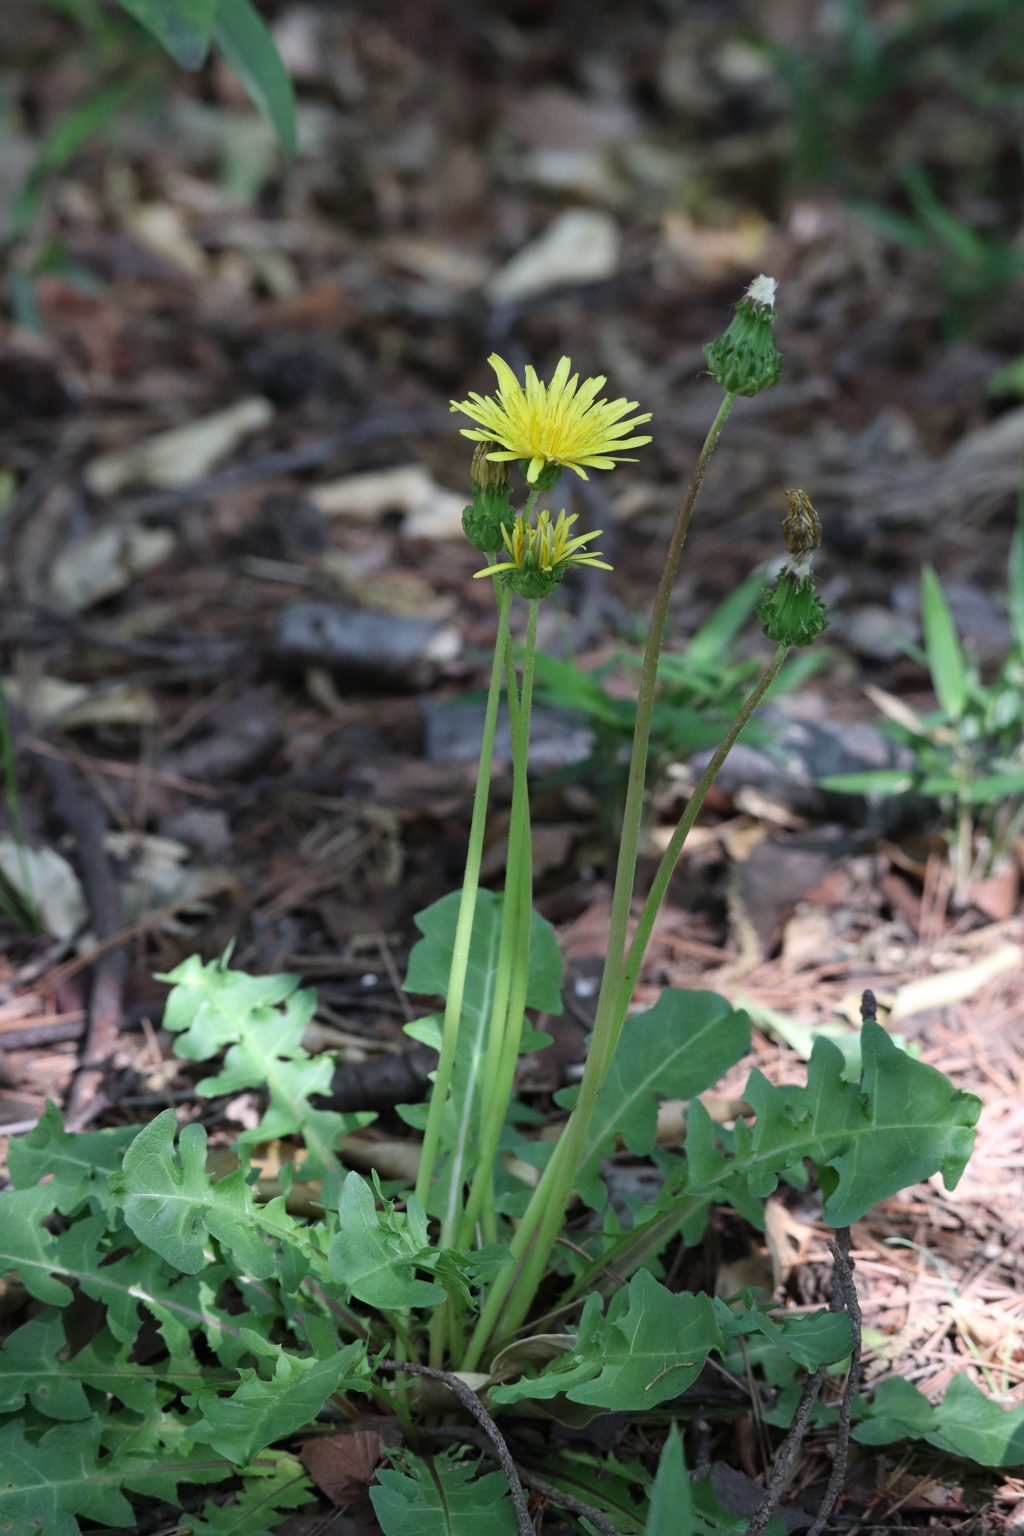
x=469, y=1400
x=53, y=1031
x=118, y=770
x=788, y=1452
x=844, y=1294
x=842, y=1275
x=52, y=980
x=82, y=814
x=38, y=483
x=598, y=1519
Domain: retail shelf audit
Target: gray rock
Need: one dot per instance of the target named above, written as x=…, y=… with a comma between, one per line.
x=386, y=647
x=207, y=831
x=780, y=872
x=454, y=732
x=803, y=750
x=875, y=632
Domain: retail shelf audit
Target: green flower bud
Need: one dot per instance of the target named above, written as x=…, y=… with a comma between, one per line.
x=534, y=583
x=744, y=360
x=483, y=521
x=794, y=614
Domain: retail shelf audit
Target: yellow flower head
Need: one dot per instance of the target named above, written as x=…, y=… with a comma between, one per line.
x=560, y=423
x=540, y=556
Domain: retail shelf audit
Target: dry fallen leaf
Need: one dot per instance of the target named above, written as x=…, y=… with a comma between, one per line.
x=342, y=1466
x=104, y=562
x=52, y=699
x=708, y=252
x=806, y=937
x=183, y=454
x=954, y=986
x=580, y=245
x=997, y=896
x=431, y=511
x=787, y=1238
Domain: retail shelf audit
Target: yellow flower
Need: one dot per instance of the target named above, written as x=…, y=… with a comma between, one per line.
x=540, y=556
x=557, y=423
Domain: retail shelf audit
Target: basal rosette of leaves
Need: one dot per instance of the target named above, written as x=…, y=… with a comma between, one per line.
x=224, y=1398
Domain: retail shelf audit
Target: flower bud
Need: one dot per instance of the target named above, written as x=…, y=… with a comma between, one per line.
x=744, y=360
x=794, y=614
x=534, y=583
x=483, y=521
x=802, y=531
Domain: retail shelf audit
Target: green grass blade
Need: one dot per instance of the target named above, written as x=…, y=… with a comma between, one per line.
x=671, y=1512
x=250, y=50
x=942, y=645
x=181, y=26
x=708, y=644
x=1015, y=595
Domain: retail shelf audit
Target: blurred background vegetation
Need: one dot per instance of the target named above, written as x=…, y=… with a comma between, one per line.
x=910, y=111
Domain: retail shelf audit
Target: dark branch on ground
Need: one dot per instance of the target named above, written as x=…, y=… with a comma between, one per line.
x=469, y=1400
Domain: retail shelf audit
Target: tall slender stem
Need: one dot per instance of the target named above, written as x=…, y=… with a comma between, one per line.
x=467, y=912
x=575, y=1133
x=625, y=871
x=549, y=1198
x=656, y=895
x=514, y=958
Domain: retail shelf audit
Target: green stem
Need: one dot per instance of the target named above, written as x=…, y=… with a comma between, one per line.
x=575, y=1133
x=633, y=812
x=549, y=1199
x=467, y=912
x=451, y=1220
x=670, y=858
x=506, y=1026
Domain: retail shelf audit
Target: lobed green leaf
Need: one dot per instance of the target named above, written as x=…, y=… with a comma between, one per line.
x=679, y=1047
x=439, y=1496
x=78, y=1162
x=30, y=1366
x=170, y=1203
x=900, y=1124
x=259, y=1412
x=653, y=1343
x=47, y=1483
x=261, y=1019
x=965, y=1423
x=374, y=1254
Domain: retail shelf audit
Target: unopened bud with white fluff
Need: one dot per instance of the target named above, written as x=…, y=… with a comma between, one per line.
x=744, y=360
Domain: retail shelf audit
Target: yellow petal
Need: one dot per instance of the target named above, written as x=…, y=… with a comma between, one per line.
x=559, y=377
x=506, y=378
